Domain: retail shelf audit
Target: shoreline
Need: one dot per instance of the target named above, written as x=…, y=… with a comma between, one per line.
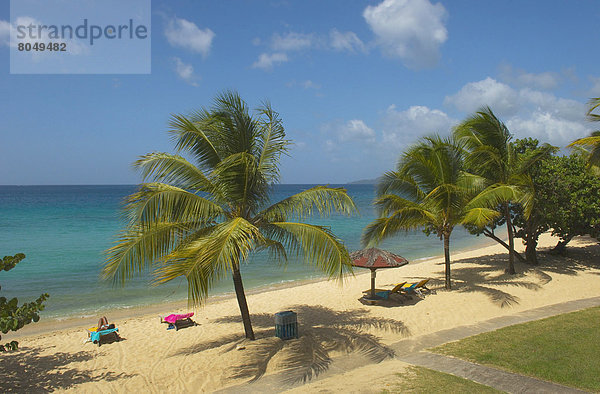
x=50, y=325
x=332, y=323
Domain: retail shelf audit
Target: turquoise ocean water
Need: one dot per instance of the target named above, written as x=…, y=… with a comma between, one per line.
x=64, y=231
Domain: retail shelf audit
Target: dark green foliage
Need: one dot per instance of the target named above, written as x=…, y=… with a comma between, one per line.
x=529, y=228
x=569, y=198
x=12, y=316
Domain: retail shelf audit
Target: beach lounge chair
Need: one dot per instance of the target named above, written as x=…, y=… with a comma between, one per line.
x=177, y=321
x=408, y=289
x=417, y=287
x=385, y=294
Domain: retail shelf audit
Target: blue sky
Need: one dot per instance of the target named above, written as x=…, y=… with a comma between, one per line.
x=354, y=81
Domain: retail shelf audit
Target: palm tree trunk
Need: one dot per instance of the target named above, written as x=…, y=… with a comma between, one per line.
x=447, y=259
x=241, y=298
x=511, y=241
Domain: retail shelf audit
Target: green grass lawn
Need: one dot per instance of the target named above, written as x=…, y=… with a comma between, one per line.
x=423, y=380
x=563, y=349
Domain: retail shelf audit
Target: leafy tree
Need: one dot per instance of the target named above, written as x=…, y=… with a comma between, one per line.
x=569, y=198
x=428, y=189
x=492, y=156
x=201, y=219
x=530, y=227
x=12, y=316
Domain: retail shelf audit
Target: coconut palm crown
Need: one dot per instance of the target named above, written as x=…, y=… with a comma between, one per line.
x=492, y=156
x=430, y=190
x=590, y=146
x=201, y=218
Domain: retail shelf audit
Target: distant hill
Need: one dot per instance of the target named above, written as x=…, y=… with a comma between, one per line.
x=365, y=182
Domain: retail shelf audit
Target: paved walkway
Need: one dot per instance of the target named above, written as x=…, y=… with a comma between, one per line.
x=501, y=380
x=411, y=350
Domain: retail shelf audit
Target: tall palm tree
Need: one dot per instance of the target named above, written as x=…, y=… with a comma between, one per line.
x=428, y=189
x=590, y=146
x=201, y=219
x=492, y=156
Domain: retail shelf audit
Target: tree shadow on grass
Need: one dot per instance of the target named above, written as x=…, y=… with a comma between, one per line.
x=322, y=332
x=29, y=371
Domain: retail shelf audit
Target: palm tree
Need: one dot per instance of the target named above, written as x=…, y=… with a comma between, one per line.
x=492, y=156
x=201, y=219
x=589, y=147
x=428, y=189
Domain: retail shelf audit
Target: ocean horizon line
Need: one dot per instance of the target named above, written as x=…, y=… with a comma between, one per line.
x=135, y=184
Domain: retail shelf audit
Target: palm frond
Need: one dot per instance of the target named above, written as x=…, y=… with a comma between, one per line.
x=405, y=219
x=210, y=257
x=271, y=142
x=138, y=248
x=172, y=169
x=400, y=183
x=159, y=202
x=193, y=136
x=593, y=144
x=494, y=195
x=322, y=199
x=594, y=104
x=480, y=217
x=318, y=245
x=239, y=180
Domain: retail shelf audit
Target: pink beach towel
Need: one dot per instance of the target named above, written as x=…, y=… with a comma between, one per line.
x=173, y=318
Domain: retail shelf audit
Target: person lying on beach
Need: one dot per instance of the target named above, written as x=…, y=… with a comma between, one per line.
x=103, y=324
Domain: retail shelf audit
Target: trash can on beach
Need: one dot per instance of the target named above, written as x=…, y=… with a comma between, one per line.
x=286, y=325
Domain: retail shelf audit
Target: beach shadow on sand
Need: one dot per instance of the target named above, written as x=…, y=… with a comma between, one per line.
x=487, y=274
x=28, y=370
x=322, y=333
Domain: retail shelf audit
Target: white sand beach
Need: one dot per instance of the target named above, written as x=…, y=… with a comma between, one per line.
x=332, y=323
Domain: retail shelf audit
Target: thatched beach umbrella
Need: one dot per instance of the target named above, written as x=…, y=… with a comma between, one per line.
x=373, y=259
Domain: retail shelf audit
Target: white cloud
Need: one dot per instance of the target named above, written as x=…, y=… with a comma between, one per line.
x=527, y=112
x=347, y=41
x=545, y=80
x=185, y=34
x=412, y=30
x=266, y=61
x=497, y=95
x=402, y=128
x=291, y=42
x=547, y=127
x=353, y=131
x=185, y=71
x=356, y=130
